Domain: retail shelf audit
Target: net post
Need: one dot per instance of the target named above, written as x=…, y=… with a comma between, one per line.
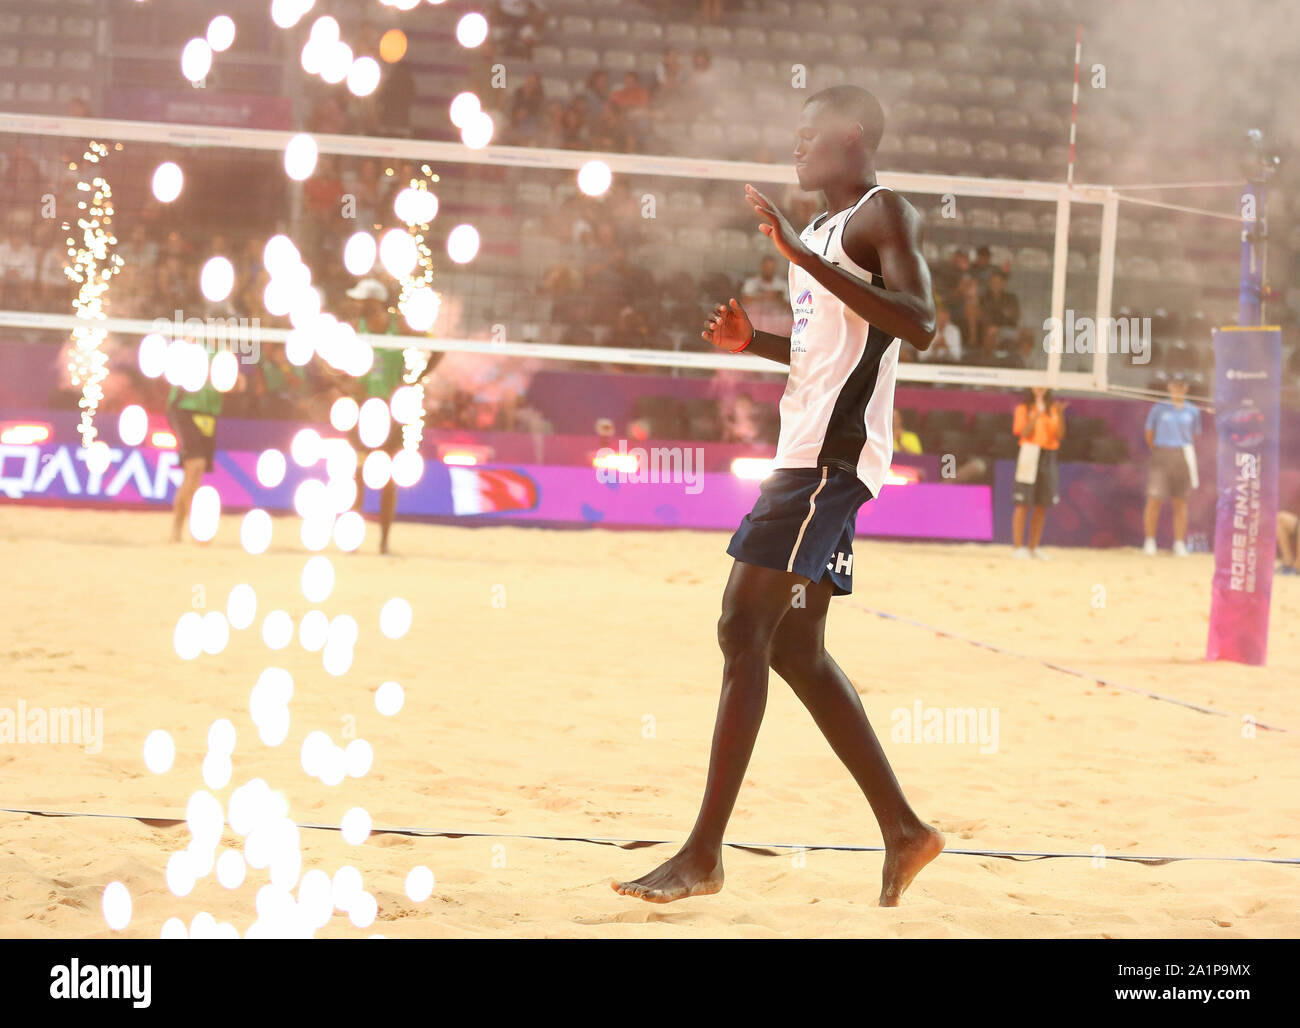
x=1247, y=400
x=1105, y=285
x=1059, y=255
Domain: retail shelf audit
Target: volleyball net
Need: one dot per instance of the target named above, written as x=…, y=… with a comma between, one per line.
x=625, y=278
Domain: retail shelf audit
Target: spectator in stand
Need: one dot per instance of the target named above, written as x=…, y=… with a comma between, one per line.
x=633, y=102
x=741, y=422
x=988, y=353
x=672, y=82
x=574, y=220
x=595, y=94
x=1039, y=425
x=983, y=268
x=529, y=100
x=1027, y=352
x=948, y=276
x=631, y=329
x=573, y=129
x=904, y=441
x=706, y=81
x=967, y=314
x=1171, y=429
x=550, y=132
x=631, y=95
x=968, y=469
x=946, y=348
x=604, y=272
x=766, y=298
x=611, y=132
x=520, y=23
x=560, y=281
x=1000, y=308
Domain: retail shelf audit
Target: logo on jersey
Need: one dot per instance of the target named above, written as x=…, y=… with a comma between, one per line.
x=803, y=309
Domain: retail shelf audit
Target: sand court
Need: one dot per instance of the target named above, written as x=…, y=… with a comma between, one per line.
x=563, y=683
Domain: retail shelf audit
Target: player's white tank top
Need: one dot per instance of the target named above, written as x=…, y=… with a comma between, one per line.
x=838, y=404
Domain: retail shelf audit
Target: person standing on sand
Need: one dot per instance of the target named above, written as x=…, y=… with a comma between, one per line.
x=860, y=287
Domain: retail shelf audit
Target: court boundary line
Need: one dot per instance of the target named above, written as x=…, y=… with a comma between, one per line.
x=761, y=848
x=1097, y=679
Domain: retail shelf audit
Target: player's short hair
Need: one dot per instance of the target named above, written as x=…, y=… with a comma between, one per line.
x=855, y=104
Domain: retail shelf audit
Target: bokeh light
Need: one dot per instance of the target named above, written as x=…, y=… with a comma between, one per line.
x=221, y=32
x=392, y=46
x=159, y=751
x=167, y=182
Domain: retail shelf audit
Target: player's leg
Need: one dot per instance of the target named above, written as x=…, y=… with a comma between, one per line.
x=1150, y=522
x=1179, y=507
x=1157, y=490
x=1287, y=524
x=359, y=502
x=1018, y=526
x=193, y=468
x=1036, y=522
x=753, y=604
x=799, y=656
x=387, y=508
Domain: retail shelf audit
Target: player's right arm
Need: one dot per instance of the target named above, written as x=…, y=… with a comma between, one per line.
x=729, y=327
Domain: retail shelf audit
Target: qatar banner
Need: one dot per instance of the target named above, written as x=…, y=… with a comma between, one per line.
x=144, y=477
x=1248, y=372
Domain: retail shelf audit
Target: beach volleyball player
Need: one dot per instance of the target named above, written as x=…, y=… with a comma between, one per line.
x=859, y=289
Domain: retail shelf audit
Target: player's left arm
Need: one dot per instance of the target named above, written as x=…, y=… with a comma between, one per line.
x=889, y=227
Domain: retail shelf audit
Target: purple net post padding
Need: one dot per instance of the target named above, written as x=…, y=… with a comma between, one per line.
x=1247, y=398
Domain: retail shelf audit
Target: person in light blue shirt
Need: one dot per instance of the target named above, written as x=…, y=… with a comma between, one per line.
x=1171, y=429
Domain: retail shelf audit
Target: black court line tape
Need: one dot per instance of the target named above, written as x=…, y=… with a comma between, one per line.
x=769, y=849
x=1110, y=683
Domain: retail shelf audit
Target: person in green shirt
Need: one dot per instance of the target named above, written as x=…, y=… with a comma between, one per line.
x=385, y=375
x=193, y=418
x=284, y=385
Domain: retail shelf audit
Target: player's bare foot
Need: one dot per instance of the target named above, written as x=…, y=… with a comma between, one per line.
x=904, y=859
x=683, y=876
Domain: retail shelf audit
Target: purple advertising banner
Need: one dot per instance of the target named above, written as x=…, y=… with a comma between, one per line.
x=511, y=494
x=1248, y=371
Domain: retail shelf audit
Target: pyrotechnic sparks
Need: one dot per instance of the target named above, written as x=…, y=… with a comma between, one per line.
x=93, y=266
x=417, y=205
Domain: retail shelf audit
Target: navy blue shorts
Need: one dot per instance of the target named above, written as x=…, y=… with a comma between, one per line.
x=803, y=522
x=196, y=435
